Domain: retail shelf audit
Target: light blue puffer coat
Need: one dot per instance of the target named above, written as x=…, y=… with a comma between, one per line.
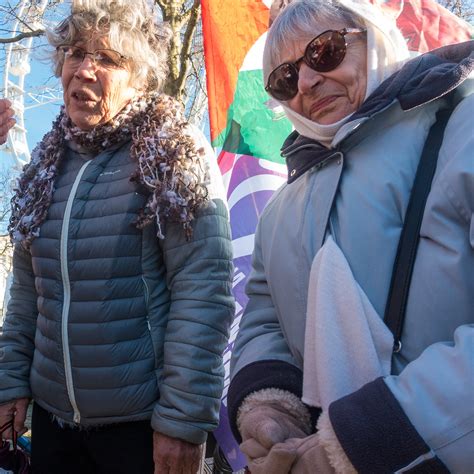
x=358, y=192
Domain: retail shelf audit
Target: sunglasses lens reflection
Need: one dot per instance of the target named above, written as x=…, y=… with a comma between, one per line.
x=323, y=54
x=284, y=82
x=326, y=51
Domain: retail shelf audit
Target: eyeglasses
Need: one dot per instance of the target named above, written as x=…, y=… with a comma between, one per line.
x=104, y=58
x=322, y=54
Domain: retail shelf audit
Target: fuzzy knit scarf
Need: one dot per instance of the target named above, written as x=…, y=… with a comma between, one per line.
x=168, y=165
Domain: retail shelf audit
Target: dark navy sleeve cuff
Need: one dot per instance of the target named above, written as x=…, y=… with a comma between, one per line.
x=260, y=375
x=377, y=436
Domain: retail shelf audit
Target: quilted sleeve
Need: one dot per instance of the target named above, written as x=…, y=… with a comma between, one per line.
x=18, y=333
x=199, y=276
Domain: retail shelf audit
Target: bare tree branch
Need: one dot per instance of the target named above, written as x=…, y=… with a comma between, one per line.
x=186, y=14
x=188, y=36
x=183, y=17
x=161, y=4
x=462, y=8
x=20, y=36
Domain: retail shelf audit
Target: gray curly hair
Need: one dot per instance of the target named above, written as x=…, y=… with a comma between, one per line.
x=129, y=27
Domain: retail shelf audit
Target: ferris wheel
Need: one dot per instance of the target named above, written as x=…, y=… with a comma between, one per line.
x=17, y=67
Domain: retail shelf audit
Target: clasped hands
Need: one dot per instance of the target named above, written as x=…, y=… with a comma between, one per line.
x=276, y=442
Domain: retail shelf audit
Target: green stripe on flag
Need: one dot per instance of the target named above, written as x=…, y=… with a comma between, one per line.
x=252, y=128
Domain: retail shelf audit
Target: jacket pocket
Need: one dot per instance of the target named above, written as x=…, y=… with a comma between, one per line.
x=146, y=292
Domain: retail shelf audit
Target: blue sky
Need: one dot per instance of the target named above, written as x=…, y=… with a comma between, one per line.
x=37, y=119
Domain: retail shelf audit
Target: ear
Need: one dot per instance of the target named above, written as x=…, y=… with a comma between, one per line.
x=139, y=86
x=130, y=92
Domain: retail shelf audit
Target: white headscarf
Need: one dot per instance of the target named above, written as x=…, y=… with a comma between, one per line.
x=386, y=53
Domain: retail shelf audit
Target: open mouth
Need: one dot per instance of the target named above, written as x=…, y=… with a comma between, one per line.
x=82, y=97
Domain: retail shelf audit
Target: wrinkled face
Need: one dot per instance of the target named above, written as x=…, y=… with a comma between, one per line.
x=327, y=97
x=95, y=93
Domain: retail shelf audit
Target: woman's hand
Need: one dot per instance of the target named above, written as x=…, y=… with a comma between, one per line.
x=16, y=411
x=311, y=456
x=295, y=455
x=278, y=460
x=175, y=456
x=270, y=423
x=6, y=120
x=264, y=430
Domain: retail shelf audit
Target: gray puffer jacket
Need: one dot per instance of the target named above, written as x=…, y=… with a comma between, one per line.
x=421, y=417
x=107, y=323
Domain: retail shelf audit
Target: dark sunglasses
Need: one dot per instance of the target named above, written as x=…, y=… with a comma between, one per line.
x=322, y=54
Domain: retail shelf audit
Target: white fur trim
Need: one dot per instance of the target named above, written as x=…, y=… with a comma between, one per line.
x=336, y=454
x=287, y=400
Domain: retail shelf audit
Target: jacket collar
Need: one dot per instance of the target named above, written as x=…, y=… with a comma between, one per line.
x=302, y=153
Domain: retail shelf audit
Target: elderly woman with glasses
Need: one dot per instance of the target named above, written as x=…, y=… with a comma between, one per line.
x=319, y=382
x=121, y=298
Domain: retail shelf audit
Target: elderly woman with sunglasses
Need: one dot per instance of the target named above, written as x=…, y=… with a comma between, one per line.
x=314, y=385
x=121, y=298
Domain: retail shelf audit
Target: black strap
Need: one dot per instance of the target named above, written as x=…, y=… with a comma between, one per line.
x=410, y=236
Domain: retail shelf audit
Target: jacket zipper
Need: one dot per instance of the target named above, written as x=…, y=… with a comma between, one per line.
x=67, y=294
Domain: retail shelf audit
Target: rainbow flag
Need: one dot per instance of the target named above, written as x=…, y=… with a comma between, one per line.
x=248, y=134
x=248, y=128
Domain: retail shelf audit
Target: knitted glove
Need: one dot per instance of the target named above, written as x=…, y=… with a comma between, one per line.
x=270, y=424
x=271, y=416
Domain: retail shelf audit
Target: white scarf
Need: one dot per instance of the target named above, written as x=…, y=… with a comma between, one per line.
x=347, y=343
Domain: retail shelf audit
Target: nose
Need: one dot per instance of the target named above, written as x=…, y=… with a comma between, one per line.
x=86, y=70
x=308, y=79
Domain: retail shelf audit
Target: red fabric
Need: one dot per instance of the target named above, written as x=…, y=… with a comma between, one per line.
x=425, y=24
x=15, y=460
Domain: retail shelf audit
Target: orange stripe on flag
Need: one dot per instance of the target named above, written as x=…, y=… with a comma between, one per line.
x=230, y=28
